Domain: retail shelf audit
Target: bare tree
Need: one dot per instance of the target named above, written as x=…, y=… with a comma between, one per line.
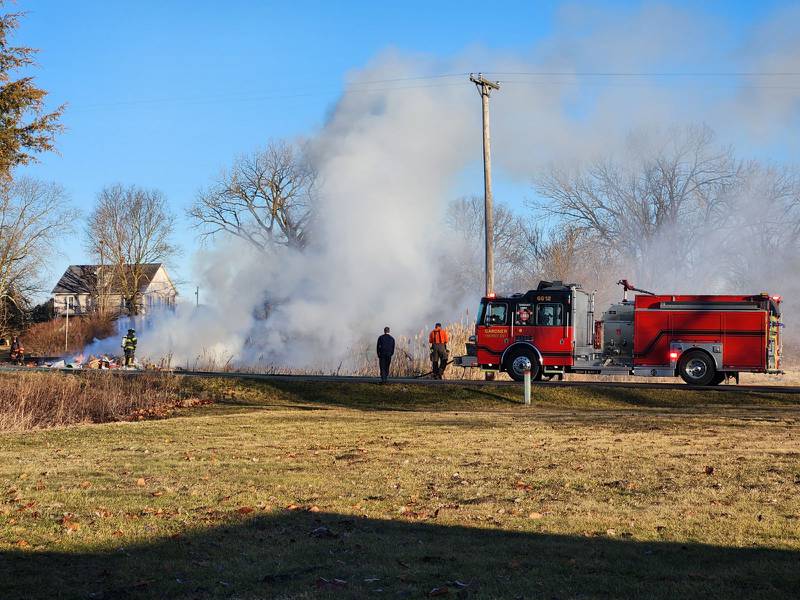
x=265, y=198
x=129, y=228
x=515, y=242
x=647, y=208
x=33, y=216
x=758, y=237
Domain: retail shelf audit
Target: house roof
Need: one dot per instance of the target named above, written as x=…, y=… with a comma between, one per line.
x=82, y=279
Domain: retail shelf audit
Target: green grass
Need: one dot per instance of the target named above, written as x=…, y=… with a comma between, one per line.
x=299, y=490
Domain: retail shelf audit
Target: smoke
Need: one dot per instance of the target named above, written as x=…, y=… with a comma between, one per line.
x=392, y=156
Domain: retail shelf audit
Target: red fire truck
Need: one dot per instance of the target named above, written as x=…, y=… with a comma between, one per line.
x=703, y=339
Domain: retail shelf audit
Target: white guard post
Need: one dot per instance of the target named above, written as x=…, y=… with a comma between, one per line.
x=526, y=385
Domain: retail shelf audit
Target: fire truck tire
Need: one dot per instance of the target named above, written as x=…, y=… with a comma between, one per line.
x=513, y=365
x=697, y=368
x=718, y=378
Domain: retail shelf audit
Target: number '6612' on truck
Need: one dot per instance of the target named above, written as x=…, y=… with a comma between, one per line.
x=702, y=339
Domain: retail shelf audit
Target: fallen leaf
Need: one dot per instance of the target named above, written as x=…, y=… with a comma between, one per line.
x=85, y=484
x=709, y=470
x=535, y=515
x=22, y=544
x=314, y=508
x=141, y=482
x=611, y=532
x=117, y=533
x=70, y=525
x=157, y=494
x=245, y=510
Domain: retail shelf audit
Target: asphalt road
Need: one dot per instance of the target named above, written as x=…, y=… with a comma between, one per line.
x=321, y=379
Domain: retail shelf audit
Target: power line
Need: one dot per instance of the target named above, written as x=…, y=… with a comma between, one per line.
x=649, y=73
x=358, y=87
x=439, y=80
x=632, y=85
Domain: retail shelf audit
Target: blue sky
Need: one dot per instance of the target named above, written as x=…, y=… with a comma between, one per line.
x=163, y=94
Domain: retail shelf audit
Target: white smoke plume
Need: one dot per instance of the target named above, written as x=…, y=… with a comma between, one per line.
x=390, y=160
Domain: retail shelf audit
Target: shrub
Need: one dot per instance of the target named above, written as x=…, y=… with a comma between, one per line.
x=35, y=400
x=47, y=339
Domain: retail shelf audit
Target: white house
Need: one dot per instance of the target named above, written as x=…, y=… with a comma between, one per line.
x=86, y=288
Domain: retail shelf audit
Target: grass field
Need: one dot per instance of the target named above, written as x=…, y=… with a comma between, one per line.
x=297, y=490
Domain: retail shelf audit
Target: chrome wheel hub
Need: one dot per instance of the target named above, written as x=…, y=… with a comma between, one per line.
x=521, y=364
x=696, y=368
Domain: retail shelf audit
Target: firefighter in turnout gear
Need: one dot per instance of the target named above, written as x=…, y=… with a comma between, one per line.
x=129, y=347
x=438, y=340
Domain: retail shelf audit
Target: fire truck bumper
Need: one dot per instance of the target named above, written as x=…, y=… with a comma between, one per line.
x=466, y=361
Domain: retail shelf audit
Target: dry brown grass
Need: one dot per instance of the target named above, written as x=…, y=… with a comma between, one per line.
x=47, y=339
x=411, y=358
x=412, y=354
x=301, y=490
x=38, y=400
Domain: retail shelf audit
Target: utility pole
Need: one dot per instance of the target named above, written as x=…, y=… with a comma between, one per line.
x=66, y=326
x=197, y=296
x=484, y=89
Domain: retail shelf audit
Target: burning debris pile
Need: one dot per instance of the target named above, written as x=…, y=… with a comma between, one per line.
x=92, y=362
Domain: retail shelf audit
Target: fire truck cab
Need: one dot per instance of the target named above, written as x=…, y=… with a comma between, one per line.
x=702, y=339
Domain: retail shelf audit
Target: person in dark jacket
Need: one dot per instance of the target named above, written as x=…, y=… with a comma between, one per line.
x=17, y=351
x=385, y=353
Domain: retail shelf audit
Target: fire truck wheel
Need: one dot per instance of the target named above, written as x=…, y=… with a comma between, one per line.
x=697, y=368
x=515, y=362
x=718, y=378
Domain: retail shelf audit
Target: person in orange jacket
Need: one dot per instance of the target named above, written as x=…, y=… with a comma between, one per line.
x=438, y=340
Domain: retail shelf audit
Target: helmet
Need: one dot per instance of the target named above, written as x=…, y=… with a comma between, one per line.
x=131, y=331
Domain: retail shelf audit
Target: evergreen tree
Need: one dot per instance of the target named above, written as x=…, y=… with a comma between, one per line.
x=25, y=128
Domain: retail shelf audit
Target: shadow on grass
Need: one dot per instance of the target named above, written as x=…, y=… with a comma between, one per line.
x=310, y=555
x=695, y=399
x=403, y=397
x=362, y=396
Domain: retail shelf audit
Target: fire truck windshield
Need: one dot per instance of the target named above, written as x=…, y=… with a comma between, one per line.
x=496, y=313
